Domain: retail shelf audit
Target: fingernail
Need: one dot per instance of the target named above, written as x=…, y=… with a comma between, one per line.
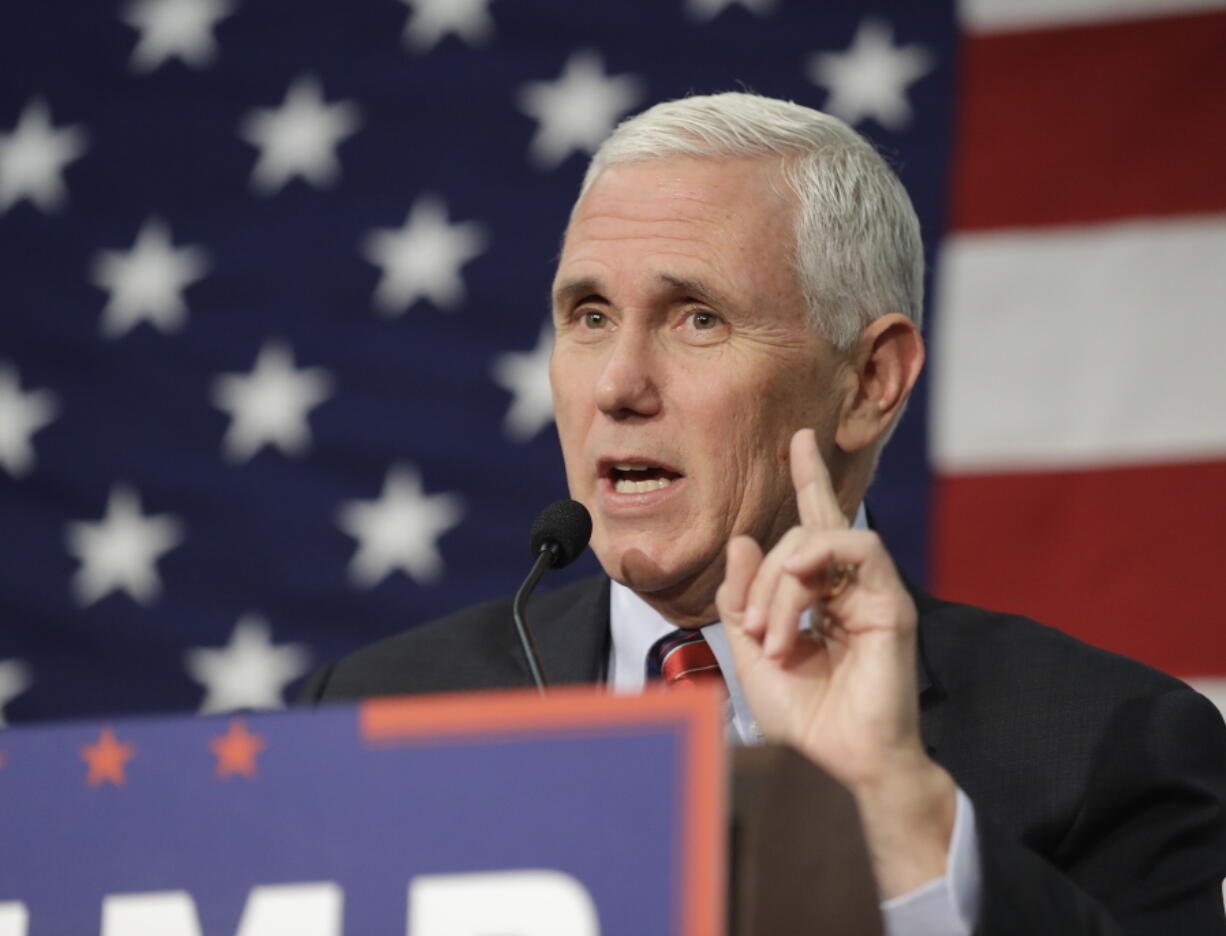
x=754, y=619
x=773, y=645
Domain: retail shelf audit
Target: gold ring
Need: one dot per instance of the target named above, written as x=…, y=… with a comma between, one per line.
x=839, y=577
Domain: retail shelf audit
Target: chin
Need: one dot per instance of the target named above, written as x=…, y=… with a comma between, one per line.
x=648, y=570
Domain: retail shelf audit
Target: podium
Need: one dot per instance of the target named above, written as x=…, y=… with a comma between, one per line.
x=490, y=814
x=799, y=863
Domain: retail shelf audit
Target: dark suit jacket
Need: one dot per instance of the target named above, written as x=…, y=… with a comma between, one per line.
x=1099, y=784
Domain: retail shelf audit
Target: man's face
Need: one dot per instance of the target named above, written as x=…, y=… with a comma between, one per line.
x=682, y=365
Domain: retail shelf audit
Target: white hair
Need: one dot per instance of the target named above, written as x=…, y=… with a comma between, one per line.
x=858, y=252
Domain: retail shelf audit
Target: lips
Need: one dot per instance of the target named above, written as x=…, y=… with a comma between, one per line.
x=637, y=474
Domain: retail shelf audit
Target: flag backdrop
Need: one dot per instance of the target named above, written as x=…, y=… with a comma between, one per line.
x=273, y=295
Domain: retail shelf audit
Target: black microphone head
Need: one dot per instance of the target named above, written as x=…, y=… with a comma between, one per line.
x=566, y=525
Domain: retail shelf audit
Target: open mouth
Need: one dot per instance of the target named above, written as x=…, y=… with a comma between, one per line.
x=640, y=477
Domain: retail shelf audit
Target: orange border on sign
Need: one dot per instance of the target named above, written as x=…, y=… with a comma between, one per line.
x=573, y=709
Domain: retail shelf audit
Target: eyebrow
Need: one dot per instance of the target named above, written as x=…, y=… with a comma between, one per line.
x=574, y=288
x=696, y=288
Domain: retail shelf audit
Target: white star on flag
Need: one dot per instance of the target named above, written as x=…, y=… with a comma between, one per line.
x=15, y=678
x=269, y=406
x=422, y=259
x=709, y=9
x=430, y=20
x=249, y=672
x=120, y=550
x=21, y=415
x=33, y=157
x=146, y=283
x=300, y=138
x=578, y=110
x=871, y=78
x=181, y=29
x=399, y=530
x=526, y=375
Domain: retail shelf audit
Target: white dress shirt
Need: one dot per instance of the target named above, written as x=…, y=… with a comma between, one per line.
x=946, y=906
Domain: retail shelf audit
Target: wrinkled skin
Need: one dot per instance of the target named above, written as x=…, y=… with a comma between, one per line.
x=682, y=338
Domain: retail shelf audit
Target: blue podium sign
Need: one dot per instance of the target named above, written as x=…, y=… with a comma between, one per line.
x=493, y=814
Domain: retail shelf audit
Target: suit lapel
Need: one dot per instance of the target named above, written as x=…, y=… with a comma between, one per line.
x=572, y=632
x=931, y=692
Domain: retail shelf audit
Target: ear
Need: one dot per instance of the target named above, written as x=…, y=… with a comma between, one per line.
x=883, y=367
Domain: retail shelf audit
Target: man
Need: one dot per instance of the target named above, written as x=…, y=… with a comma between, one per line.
x=737, y=311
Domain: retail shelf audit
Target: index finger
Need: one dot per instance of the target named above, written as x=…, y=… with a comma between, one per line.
x=815, y=500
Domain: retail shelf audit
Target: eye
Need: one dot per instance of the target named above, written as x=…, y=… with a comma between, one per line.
x=594, y=319
x=704, y=320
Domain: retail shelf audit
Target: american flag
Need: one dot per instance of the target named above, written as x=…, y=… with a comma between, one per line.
x=274, y=277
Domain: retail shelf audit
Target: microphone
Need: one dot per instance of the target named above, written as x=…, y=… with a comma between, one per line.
x=559, y=534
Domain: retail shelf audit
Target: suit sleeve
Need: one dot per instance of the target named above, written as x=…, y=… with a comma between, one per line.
x=1145, y=854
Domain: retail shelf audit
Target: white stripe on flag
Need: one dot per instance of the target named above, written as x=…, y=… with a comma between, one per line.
x=1212, y=687
x=980, y=16
x=1071, y=347
x=1215, y=689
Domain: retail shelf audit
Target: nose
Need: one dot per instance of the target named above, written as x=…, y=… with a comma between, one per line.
x=626, y=387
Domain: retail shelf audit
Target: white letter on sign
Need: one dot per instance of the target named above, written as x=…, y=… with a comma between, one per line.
x=293, y=910
x=14, y=918
x=167, y=913
x=509, y=903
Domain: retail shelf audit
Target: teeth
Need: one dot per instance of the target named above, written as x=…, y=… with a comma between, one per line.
x=626, y=466
x=624, y=486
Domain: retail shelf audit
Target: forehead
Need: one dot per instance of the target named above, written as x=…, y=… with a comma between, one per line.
x=684, y=218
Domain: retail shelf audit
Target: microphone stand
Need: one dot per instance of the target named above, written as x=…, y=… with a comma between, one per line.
x=544, y=561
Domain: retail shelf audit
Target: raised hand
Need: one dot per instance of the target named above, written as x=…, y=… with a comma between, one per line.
x=844, y=694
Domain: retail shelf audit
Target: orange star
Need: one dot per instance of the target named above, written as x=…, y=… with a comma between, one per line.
x=236, y=750
x=107, y=758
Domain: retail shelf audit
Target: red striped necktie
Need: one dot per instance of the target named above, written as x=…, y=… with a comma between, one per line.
x=683, y=658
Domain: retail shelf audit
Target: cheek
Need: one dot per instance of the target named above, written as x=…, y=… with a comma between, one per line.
x=747, y=432
x=572, y=416
x=568, y=391
x=733, y=448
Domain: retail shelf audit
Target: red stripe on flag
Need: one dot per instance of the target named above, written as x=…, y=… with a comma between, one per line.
x=1092, y=123
x=1129, y=559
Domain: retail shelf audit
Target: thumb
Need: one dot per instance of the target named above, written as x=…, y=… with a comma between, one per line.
x=742, y=558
